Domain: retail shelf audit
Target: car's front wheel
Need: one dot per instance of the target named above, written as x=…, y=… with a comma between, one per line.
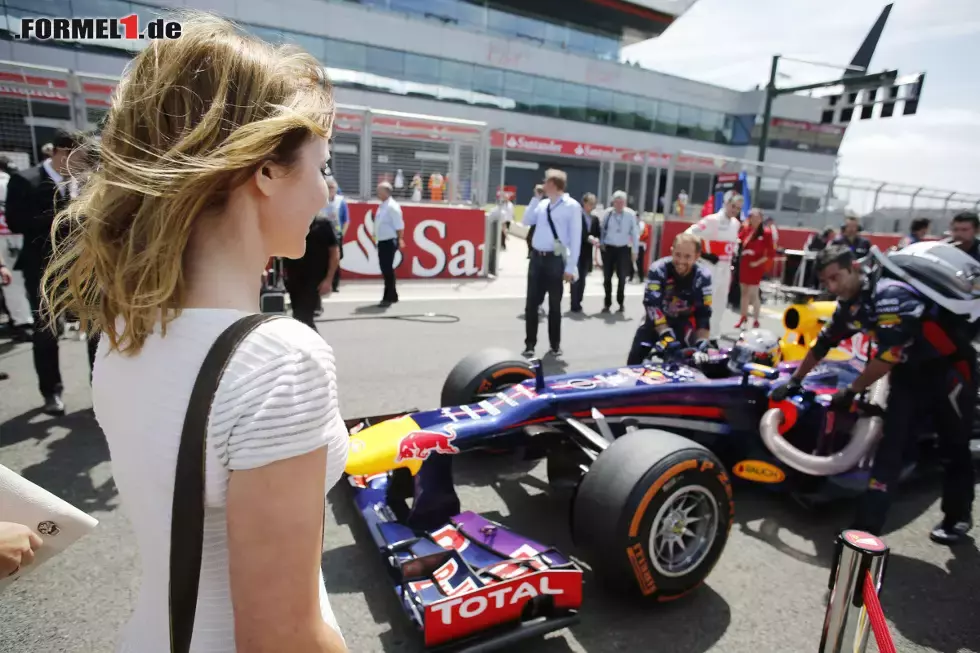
x=652, y=514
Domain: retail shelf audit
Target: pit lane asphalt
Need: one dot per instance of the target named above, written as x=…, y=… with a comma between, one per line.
x=766, y=594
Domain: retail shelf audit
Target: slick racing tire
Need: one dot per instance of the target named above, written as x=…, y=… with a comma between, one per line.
x=652, y=514
x=483, y=373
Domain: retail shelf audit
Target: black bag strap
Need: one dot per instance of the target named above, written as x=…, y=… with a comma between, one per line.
x=551, y=223
x=187, y=518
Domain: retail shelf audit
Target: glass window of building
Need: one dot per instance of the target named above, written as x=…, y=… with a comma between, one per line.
x=687, y=122
x=581, y=42
x=315, y=45
x=624, y=111
x=547, y=97
x=556, y=36
x=456, y=74
x=500, y=23
x=574, y=101
x=387, y=63
x=347, y=55
x=488, y=80
x=412, y=7
x=473, y=16
x=646, y=114
x=667, y=116
x=97, y=8
x=267, y=34
x=530, y=29
x=519, y=88
x=600, y=105
x=56, y=8
x=607, y=47
x=419, y=68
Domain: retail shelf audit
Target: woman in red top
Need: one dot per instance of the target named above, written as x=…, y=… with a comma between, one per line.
x=757, y=254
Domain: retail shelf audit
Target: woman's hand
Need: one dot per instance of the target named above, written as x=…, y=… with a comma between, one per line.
x=17, y=546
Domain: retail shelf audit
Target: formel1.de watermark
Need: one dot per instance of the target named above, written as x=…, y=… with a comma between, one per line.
x=127, y=28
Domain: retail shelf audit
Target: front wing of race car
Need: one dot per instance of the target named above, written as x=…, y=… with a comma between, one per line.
x=470, y=585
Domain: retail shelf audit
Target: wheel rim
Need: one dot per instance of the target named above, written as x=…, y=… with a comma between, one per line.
x=683, y=531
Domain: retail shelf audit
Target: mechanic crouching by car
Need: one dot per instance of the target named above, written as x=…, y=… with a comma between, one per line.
x=677, y=301
x=927, y=351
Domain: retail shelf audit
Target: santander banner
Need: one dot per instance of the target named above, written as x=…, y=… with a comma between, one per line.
x=440, y=243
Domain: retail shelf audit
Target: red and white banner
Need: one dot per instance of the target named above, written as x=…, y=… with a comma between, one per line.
x=440, y=242
x=558, y=147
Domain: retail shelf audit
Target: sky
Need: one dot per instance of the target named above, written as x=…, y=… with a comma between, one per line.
x=731, y=43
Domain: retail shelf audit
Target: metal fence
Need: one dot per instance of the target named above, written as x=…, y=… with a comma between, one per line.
x=426, y=158
x=798, y=197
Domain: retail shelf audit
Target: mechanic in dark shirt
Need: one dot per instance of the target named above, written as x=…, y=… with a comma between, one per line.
x=964, y=233
x=677, y=300
x=932, y=365
x=311, y=277
x=851, y=236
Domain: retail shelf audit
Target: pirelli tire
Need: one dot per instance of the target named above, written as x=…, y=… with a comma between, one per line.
x=483, y=373
x=629, y=519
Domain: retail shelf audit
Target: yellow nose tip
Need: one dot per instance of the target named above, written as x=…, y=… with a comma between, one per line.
x=376, y=449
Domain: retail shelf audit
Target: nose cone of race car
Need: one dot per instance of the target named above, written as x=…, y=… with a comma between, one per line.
x=384, y=447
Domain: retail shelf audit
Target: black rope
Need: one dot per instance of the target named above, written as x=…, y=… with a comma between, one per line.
x=428, y=318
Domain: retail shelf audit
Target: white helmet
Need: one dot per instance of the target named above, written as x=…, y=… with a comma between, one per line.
x=756, y=346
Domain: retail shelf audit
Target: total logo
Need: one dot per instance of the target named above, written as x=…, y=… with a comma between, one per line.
x=494, y=598
x=457, y=616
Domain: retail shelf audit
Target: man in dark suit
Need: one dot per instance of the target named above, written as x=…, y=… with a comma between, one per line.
x=34, y=197
x=311, y=277
x=590, y=234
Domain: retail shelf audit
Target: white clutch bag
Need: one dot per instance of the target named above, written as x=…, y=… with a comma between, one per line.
x=58, y=522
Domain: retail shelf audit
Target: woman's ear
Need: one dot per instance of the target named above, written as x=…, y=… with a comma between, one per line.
x=265, y=178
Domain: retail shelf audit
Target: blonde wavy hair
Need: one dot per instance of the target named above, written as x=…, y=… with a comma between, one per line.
x=192, y=119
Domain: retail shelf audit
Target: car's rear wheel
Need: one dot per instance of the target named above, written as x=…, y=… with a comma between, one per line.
x=652, y=514
x=483, y=374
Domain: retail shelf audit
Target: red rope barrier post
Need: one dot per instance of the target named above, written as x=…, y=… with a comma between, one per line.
x=847, y=622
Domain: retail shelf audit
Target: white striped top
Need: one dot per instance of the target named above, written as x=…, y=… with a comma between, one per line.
x=277, y=399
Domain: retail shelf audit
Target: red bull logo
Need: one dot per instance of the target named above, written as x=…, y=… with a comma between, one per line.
x=419, y=444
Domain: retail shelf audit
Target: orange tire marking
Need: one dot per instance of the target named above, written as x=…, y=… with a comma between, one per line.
x=513, y=370
x=648, y=497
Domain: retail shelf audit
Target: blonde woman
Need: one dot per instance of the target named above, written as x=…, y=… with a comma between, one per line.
x=211, y=162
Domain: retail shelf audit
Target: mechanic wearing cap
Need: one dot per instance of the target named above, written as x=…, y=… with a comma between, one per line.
x=931, y=362
x=964, y=233
x=677, y=300
x=851, y=236
x=554, y=258
x=389, y=230
x=620, y=240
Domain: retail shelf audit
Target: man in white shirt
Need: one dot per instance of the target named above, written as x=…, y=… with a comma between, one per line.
x=14, y=293
x=555, y=246
x=503, y=211
x=619, y=237
x=389, y=233
x=719, y=234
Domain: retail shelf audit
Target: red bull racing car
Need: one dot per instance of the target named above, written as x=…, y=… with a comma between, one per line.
x=646, y=451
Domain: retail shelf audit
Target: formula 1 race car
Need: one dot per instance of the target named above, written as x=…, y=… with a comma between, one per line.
x=645, y=450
